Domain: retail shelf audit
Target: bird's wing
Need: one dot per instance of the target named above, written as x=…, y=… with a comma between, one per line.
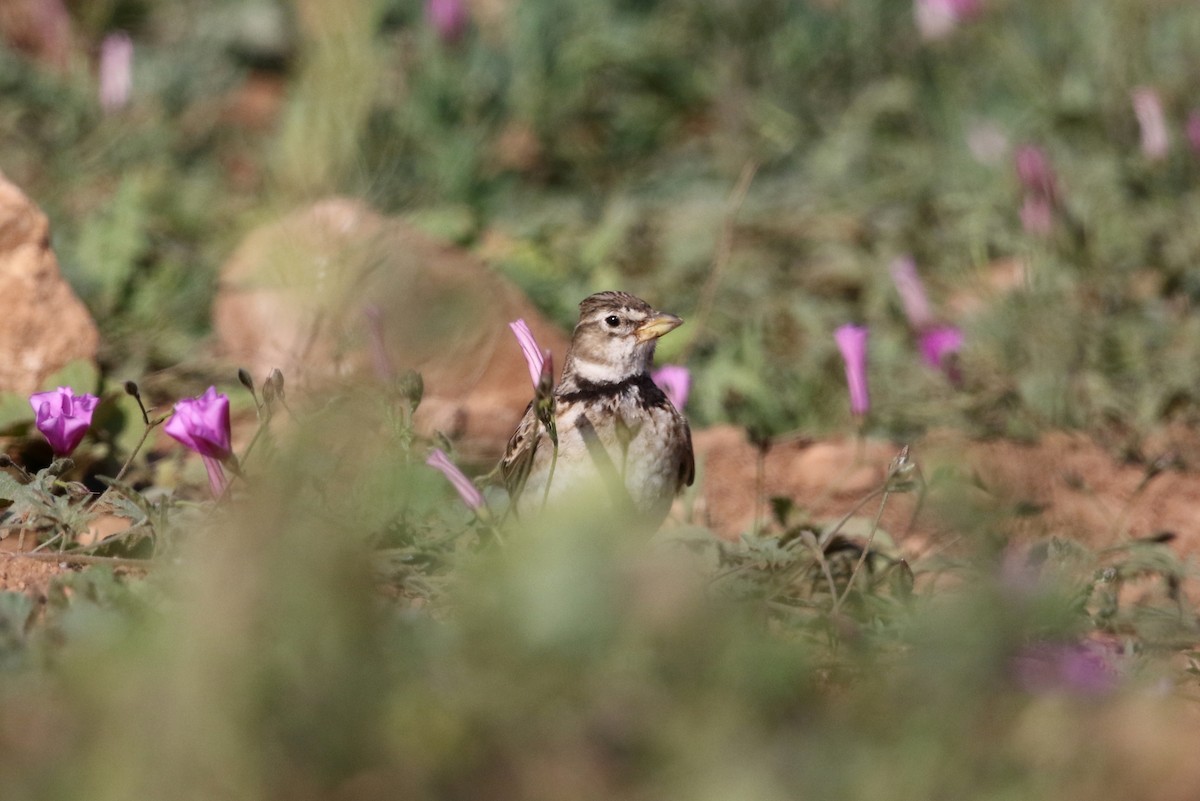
x=518, y=457
x=687, y=468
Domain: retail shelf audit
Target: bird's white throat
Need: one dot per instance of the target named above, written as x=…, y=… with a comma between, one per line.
x=606, y=372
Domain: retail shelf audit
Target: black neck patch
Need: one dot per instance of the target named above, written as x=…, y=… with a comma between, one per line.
x=647, y=391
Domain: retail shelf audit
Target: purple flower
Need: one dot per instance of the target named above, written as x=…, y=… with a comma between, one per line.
x=116, y=71
x=852, y=342
x=1192, y=130
x=63, y=417
x=1037, y=215
x=449, y=19
x=1147, y=106
x=1035, y=173
x=676, y=381
x=470, y=494
x=1078, y=668
x=939, y=342
x=936, y=19
x=912, y=292
x=202, y=424
x=938, y=345
x=1041, y=189
x=535, y=357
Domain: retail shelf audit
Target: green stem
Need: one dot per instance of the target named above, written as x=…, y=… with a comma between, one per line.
x=150, y=426
x=862, y=557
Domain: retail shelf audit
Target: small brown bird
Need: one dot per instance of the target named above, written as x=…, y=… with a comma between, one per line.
x=615, y=428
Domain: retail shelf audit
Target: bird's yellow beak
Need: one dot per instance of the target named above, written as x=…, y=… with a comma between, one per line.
x=656, y=326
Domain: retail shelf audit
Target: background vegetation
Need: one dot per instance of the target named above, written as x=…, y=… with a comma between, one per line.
x=347, y=631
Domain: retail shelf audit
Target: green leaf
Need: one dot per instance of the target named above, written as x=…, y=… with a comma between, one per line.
x=15, y=413
x=111, y=242
x=10, y=488
x=15, y=609
x=80, y=375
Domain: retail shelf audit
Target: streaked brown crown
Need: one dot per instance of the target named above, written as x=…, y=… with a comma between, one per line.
x=615, y=301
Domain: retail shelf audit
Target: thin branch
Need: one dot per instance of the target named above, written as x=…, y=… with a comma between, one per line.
x=150, y=426
x=862, y=557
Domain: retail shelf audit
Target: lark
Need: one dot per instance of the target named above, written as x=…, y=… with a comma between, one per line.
x=617, y=433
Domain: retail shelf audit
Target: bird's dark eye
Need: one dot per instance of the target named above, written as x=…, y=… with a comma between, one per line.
x=612, y=321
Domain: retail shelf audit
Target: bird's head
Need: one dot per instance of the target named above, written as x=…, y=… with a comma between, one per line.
x=615, y=337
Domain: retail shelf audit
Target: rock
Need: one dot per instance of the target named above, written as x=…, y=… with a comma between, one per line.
x=44, y=326
x=300, y=294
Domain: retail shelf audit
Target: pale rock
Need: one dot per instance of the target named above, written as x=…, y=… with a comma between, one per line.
x=297, y=292
x=44, y=326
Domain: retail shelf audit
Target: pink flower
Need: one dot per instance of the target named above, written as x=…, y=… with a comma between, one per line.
x=1147, y=106
x=470, y=494
x=202, y=424
x=1192, y=129
x=63, y=417
x=536, y=358
x=1035, y=173
x=675, y=381
x=852, y=342
x=1041, y=190
x=1077, y=668
x=938, y=344
x=912, y=292
x=937, y=19
x=1037, y=215
x=116, y=71
x=449, y=19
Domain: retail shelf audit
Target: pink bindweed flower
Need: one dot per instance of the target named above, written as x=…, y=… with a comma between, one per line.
x=938, y=346
x=1147, y=106
x=63, y=417
x=675, y=381
x=536, y=358
x=1037, y=178
x=937, y=19
x=449, y=19
x=202, y=424
x=467, y=491
x=1037, y=215
x=116, y=71
x=912, y=292
x=852, y=342
x=1075, y=668
x=1035, y=172
x=1192, y=130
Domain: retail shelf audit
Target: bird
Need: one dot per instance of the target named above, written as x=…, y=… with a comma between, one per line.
x=607, y=427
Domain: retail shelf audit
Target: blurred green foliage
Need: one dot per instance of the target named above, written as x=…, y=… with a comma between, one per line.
x=601, y=140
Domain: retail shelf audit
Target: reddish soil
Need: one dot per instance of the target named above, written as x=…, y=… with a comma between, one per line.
x=1065, y=484
x=18, y=574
